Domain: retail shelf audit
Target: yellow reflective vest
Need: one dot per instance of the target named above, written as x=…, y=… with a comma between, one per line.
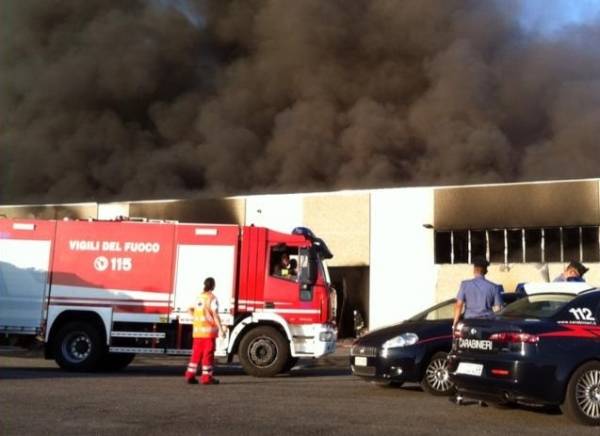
x=204, y=324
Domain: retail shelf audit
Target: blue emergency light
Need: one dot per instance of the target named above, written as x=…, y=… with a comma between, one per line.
x=304, y=231
x=318, y=242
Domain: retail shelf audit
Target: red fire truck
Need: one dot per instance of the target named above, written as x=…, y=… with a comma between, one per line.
x=99, y=292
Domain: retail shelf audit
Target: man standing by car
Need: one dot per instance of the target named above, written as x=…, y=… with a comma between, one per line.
x=574, y=272
x=479, y=297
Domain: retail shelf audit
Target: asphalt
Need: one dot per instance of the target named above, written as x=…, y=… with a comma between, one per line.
x=316, y=398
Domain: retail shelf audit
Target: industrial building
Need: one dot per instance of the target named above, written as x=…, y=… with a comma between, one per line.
x=400, y=250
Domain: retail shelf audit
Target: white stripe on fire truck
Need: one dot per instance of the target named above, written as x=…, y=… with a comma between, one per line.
x=109, y=300
x=89, y=292
x=262, y=303
x=289, y=310
x=90, y=301
x=137, y=317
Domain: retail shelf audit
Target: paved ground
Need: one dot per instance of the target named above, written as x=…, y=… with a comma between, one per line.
x=151, y=398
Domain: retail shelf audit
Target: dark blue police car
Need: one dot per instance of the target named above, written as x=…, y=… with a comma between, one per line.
x=414, y=350
x=543, y=349
x=411, y=351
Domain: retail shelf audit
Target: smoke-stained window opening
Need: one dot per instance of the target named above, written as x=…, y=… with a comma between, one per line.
x=572, y=247
x=443, y=247
x=552, y=249
x=496, y=246
x=479, y=244
x=460, y=246
x=518, y=245
x=591, y=244
x=533, y=245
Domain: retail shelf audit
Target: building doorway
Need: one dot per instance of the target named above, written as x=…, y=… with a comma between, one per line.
x=352, y=286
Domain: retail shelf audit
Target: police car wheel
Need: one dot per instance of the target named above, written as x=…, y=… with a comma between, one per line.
x=436, y=379
x=582, y=398
x=78, y=347
x=264, y=352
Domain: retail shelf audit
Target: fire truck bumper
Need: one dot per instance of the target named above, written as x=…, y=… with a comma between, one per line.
x=313, y=340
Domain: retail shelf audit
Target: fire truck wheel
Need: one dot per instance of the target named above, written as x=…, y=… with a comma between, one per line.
x=116, y=361
x=264, y=352
x=78, y=347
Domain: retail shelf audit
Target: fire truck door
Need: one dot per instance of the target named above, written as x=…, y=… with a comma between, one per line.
x=194, y=264
x=23, y=283
x=283, y=294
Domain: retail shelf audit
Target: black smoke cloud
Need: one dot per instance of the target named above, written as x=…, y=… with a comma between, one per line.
x=104, y=100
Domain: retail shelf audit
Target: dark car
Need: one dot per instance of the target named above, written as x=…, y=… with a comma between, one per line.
x=543, y=349
x=412, y=351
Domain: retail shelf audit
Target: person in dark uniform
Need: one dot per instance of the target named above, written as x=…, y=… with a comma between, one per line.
x=479, y=297
x=573, y=272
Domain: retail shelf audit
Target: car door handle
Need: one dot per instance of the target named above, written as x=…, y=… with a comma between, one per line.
x=269, y=305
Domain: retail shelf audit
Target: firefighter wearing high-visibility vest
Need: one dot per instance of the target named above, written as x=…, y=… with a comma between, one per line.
x=206, y=327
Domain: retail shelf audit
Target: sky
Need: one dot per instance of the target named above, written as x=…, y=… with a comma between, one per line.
x=550, y=16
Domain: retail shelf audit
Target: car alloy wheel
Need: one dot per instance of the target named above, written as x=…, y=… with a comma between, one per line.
x=587, y=393
x=436, y=379
x=582, y=396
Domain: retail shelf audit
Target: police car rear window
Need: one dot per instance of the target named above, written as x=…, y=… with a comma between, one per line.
x=537, y=306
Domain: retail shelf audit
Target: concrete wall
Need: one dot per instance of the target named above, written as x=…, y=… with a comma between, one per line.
x=277, y=212
x=403, y=274
x=110, y=211
x=342, y=220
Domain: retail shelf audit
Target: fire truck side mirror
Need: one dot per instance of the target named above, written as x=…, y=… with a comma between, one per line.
x=308, y=267
x=304, y=276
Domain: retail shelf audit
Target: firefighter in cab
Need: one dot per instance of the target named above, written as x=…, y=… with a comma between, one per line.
x=206, y=327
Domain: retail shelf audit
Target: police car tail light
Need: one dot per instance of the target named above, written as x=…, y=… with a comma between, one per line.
x=514, y=337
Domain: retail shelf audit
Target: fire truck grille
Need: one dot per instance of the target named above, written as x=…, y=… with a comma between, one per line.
x=360, y=350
